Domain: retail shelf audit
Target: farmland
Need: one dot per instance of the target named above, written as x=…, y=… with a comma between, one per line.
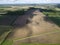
x=29, y=26
x=7, y=18
x=54, y=15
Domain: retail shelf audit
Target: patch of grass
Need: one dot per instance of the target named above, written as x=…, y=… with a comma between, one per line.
x=53, y=15
x=4, y=32
x=56, y=20
x=36, y=44
x=4, y=29
x=8, y=42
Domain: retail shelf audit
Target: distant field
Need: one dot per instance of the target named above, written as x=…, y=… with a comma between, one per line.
x=13, y=8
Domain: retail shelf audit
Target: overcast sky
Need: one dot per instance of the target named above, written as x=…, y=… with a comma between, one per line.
x=28, y=1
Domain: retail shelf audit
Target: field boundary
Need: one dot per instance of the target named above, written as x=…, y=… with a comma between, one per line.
x=36, y=35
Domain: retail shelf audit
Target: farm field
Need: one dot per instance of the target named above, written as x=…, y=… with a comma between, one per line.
x=39, y=26
x=54, y=15
x=34, y=26
x=7, y=18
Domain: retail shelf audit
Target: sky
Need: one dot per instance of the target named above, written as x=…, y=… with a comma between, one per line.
x=28, y=1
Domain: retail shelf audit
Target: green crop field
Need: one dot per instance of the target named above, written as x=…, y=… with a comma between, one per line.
x=54, y=15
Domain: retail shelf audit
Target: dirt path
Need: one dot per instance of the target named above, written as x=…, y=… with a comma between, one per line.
x=39, y=24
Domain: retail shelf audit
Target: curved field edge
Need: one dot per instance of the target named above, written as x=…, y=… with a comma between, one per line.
x=4, y=32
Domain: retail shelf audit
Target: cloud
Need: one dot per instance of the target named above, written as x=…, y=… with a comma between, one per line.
x=29, y=1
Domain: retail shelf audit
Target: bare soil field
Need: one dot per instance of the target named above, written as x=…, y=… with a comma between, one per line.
x=35, y=23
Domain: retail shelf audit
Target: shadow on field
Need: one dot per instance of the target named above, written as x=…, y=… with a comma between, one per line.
x=46, y=10
x=56, y=20
x=24, y=19
x=10, y=17
x=4, y=29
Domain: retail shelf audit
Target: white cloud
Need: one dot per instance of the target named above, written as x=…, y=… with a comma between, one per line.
x=29, y=1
